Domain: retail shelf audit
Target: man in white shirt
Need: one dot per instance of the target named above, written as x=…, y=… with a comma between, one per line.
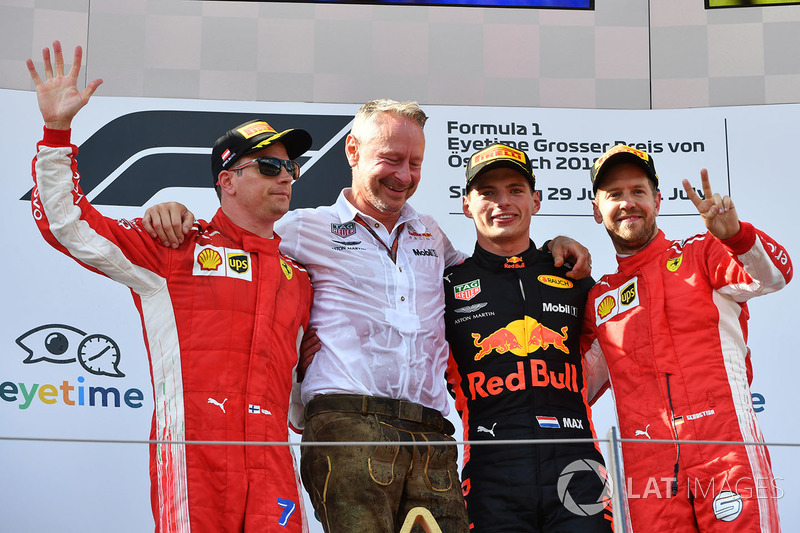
x=376, y=266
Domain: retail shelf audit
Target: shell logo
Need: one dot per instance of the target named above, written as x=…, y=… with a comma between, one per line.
x=555, y=281
x=606, y=306
x=209, y=259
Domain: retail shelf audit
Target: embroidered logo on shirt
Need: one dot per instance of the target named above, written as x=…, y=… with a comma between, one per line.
x=287, y=270
x=727, y=506
x=238, y=262
x=522, y=338
x=606, y=306
x=555, y=281
x=209, y=259
x=549, y=422
x=674, y=263
x=416, y=234
x=628, y=294
x=427, y=251
x=514, y=262
x=617, y=301
x=343, y=230
x=471, y=308
x=209, y=262
x=467, y=291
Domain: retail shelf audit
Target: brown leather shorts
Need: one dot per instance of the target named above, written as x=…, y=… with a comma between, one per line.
x=372, y=487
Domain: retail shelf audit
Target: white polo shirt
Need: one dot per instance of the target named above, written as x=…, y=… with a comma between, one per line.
x=380, y=323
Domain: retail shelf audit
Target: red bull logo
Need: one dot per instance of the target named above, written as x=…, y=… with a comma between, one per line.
x=540, y=375
x=521, y=338
x=514, y=262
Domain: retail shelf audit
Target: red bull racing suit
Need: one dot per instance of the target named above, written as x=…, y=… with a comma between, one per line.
x=670, y=329
x=513, y=324
x=222, y=317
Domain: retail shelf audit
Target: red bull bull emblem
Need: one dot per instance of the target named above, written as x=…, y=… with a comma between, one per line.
x=514, y=262
x=521, y=337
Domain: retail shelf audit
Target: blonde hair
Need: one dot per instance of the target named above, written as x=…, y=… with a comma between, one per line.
x=371, y=110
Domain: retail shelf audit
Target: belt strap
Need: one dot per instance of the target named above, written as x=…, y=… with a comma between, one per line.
x=365, y=405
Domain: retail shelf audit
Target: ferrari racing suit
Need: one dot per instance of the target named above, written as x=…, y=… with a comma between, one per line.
x=513, y=324
x=223, y=315
x=670, y=330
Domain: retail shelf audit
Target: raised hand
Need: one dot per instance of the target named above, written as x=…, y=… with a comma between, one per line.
x=719, y=214
x=58, y=94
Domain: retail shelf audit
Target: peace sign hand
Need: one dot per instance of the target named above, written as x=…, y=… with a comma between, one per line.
x=58, y=95
x=719, y=214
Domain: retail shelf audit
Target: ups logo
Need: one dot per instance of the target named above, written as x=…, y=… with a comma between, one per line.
x=238, y=263
x=628, y=294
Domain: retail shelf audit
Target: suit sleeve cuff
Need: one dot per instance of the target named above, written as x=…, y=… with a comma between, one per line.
x=56, y=137
x=742, y=241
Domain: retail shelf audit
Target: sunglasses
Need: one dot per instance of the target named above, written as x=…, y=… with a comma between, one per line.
x=271, y=166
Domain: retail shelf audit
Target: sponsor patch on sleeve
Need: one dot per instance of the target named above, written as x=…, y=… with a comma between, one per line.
x=219, y=261
x=614, y=302
x=467, y=291
x=549, y=422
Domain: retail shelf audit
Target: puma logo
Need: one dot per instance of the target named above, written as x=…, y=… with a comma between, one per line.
x=639, y=432
x=482, y=429
x=220, y=405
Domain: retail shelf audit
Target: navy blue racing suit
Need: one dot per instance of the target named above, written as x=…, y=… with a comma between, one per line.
x=513, y=324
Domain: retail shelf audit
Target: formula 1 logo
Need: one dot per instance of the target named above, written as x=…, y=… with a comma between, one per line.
x=164, y=149
x=62, y=344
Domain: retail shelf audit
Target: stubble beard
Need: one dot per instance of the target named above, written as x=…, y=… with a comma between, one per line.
x=630, y=240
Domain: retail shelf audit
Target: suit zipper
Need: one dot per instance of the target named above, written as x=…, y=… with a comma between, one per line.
x=677, y=440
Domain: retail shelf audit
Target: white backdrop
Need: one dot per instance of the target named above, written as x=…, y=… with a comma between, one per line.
x=53, y=308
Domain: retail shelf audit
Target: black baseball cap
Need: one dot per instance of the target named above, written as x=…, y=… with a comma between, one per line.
x=253, y=136
x=499, y=155
x=622, y=153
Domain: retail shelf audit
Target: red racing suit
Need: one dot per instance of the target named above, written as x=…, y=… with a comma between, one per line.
x=222, y=315
x=669, y=329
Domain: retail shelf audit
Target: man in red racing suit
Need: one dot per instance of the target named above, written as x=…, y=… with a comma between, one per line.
x=669, y=329
x=222, y=316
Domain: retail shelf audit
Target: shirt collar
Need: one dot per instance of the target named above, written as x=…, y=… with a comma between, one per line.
x=248, y=241
x=347, y=211
x=491, y=261
x=629, y=263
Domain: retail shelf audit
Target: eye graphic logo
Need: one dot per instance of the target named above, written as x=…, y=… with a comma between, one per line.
x=62, y=344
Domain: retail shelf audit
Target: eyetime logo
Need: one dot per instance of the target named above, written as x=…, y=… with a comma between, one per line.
x=80, y=395
x=61, y=344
